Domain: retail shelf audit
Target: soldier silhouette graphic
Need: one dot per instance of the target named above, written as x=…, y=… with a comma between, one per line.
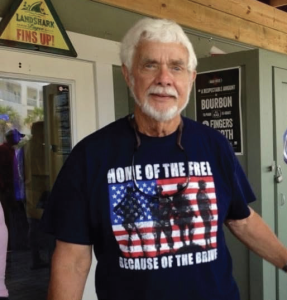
x=162, y=212
x=204, y=206
x=130, y=210
x=183, y=214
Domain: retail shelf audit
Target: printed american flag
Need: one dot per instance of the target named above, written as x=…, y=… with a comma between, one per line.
x=133, y=220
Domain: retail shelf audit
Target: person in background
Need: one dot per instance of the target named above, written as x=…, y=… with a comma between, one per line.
x=11, y=175
x=3, y=255
x=155, y=146
x=37, y=187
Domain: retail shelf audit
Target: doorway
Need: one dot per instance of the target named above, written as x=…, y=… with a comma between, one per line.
x=49, y=103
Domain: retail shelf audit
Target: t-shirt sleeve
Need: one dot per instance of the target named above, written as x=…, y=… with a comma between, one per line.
x=242, y=193
x=66, y=215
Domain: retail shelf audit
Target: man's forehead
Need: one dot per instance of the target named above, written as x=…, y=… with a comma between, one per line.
x=154, y=50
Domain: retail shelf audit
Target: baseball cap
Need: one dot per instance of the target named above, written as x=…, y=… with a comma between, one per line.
x=14, y=132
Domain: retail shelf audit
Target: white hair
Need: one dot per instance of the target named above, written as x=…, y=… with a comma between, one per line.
x=160, y=30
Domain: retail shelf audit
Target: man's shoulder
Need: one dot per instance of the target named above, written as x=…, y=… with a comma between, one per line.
x=97, y=145
x=203, y=130
x=4, y=145
x=4, y=148
x=110, y=133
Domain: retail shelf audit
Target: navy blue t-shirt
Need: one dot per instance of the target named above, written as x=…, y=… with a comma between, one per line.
x=152, y=239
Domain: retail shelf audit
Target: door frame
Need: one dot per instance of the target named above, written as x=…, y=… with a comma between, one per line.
x=26, y=66
x=280, y=102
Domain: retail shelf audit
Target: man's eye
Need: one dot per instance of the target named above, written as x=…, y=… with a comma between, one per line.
x=150, y=66
x=176, y=68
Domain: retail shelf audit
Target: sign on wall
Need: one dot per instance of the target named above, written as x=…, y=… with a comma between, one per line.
x=35, y=25
x=218, y=103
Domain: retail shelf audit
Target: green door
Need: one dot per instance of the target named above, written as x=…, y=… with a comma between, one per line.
x=248, y=63
x=280, y=144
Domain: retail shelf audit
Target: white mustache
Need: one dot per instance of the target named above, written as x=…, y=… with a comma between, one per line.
x=161, y=90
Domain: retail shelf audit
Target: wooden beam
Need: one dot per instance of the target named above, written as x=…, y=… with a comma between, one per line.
x=246, y=21
x=250, y=10
x=278, y=3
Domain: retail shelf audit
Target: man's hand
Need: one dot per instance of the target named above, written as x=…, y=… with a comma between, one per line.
x=70, y=267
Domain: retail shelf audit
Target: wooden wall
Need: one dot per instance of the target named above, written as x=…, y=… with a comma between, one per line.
x=246, y=21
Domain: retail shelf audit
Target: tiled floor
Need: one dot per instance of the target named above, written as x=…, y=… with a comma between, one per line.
x=22, y=282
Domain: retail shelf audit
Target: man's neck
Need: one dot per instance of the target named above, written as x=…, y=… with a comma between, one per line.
x=151, y=127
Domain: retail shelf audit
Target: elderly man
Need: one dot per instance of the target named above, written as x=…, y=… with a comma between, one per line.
x=154, y=147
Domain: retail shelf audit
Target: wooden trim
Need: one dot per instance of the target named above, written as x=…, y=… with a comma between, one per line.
x=246, y=21
x=278, y=3
x=250, y=10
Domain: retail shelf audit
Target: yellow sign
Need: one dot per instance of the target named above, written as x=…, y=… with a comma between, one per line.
x=35, y=23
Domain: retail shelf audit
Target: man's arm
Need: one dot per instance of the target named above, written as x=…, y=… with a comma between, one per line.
x=70, y=267
x=258, y=237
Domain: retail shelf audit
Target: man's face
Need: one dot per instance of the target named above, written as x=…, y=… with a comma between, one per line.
x=160, y=80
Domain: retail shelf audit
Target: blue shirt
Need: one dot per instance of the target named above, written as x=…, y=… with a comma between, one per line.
x=151, y=242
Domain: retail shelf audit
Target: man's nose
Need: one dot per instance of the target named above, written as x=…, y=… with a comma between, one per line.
x=163, y=77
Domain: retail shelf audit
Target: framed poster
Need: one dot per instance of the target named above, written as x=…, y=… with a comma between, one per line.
x=218, y=103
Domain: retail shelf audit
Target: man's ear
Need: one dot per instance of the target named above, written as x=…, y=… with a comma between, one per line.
x=126, y=74
x=193, y=76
